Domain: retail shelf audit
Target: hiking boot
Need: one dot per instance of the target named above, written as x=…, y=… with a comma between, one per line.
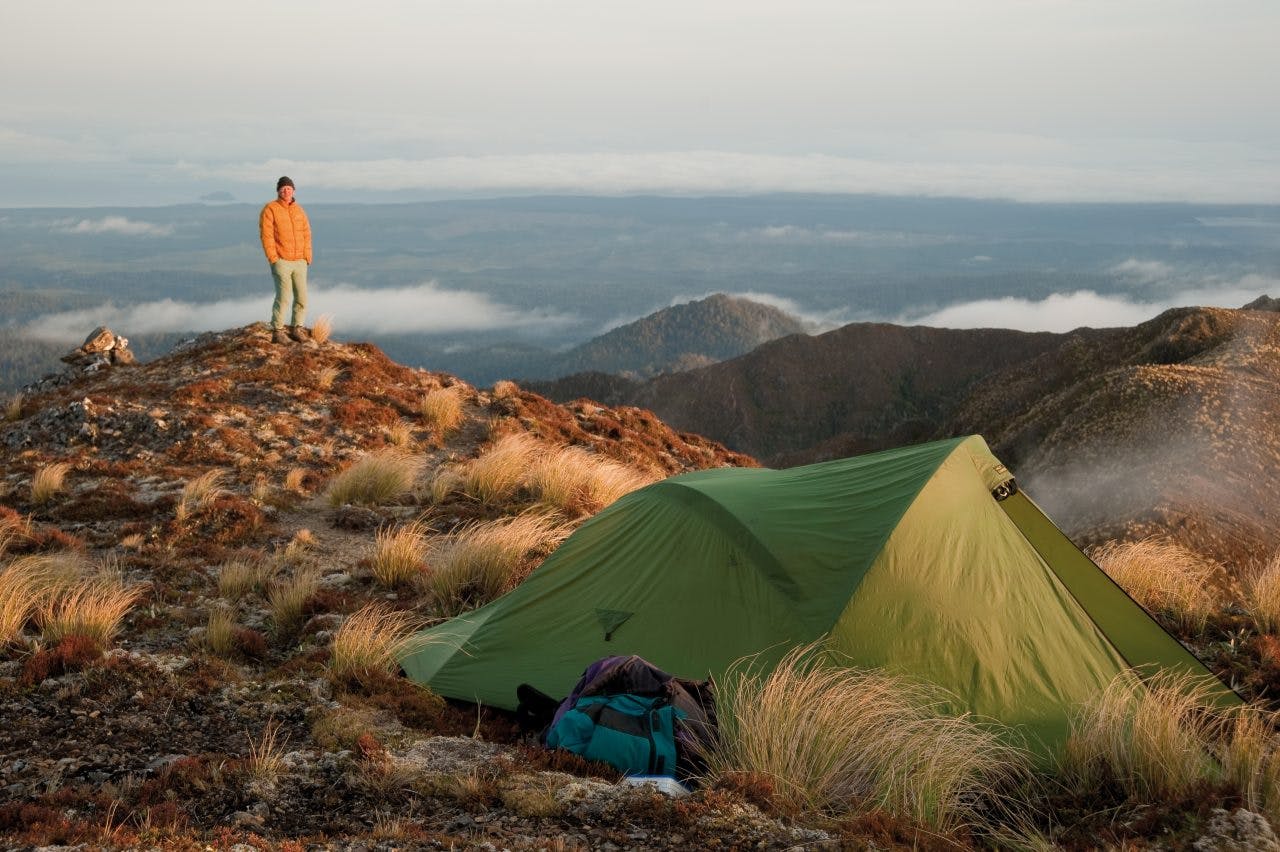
x=299, y=333
x=278, y=336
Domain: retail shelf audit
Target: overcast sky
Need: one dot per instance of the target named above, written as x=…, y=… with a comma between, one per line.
x=141, y=102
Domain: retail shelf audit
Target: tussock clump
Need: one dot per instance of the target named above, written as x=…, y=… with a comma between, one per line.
x=505, y=389
x=236, y=579
x=371, y=642
x=570, y=480
x=399, y=434
x=48, y=481
x=323, y=329
x=827, y=738
x=441, y=409
x=1263, y=590
x=577, y=482
x=91, y=608
x=1165, y=738
x=377, y=478
x=481, y=561
x=1164, y=577
x=23, y=585
x=220, y=632
x=200, y=492
x=399, y=554
x=13, y=408
x=266, y=753
x=288, y=597
x=499, y=473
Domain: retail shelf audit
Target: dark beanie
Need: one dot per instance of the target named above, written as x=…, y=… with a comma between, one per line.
x=284, y=181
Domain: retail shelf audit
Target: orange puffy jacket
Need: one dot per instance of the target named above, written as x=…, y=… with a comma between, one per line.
x=286, y=233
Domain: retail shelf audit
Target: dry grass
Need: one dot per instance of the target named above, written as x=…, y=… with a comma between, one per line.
x=326, y=376
x=236, y=579
x=200, y=492
x=13, y=528
x=24, y=584
x=294, y=478
x=48, y=481
x=1154, y=740
x=834, y=739
x=504, y=389
x=92, y=608
x=375, y=479
x=399, y=554
x=1263, y=590
x=323, y=329
x=288, y=597
x=13, y=408
x=448, y=480
x=1164, y=577
x=266, y=754
x=578, y=482
x=399, y=434
x=220, y=633
x=441, y=409
x=481, y=561
x=498, y=474
x=372, y=641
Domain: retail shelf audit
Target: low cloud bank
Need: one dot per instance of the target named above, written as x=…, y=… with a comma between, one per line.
x=112, y=225
x=420, y=309
x=1061, y=312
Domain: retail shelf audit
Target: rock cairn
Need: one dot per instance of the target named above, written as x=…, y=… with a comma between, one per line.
x=102, y=348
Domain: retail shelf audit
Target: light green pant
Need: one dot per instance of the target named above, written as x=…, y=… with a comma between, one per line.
x=291, y=278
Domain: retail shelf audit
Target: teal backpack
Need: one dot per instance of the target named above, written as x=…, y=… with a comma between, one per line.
x=634, y=733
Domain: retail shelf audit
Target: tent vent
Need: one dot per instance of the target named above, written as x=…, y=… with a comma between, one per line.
x=1005, y=489
x=610, y=620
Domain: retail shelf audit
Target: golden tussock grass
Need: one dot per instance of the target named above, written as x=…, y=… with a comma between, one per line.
x=1263, y=590
x=220, y=632
x=1166, y=738
x=441, y=409
x=399, y=434
x=399, y=554
x=24, y=582
x=48, y=481
x=13, y=408
x=1164, y=577
x=294, y=478
x=500, y=472
x=371, y=642
x=236, y=579
x=323, y=328
x=505, y=389
x=266, y=754
x=481, y=561
x=288, y=597
x=91, y=608
x=326, y=376
x=570, y=480
x=578, y=482
x=841, y=740
x=374, y=479
x=200, y=492
x=13, y=529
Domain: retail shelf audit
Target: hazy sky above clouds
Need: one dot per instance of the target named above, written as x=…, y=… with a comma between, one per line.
x=143, y=101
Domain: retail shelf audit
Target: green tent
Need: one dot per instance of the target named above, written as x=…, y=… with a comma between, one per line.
x=924, y=560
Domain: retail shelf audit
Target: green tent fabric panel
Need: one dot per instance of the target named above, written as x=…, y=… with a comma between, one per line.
x=960, y=599
x=1140, y=639
x=826, y=522
x=695, y=597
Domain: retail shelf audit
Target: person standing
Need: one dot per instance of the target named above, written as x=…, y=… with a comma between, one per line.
x=286, y=238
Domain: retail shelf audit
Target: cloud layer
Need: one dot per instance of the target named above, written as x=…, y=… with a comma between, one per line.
x=1063, y=312
x=421, y=309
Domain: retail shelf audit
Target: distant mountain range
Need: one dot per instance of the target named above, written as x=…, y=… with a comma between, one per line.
x=681, y=337
x=1172, y=424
